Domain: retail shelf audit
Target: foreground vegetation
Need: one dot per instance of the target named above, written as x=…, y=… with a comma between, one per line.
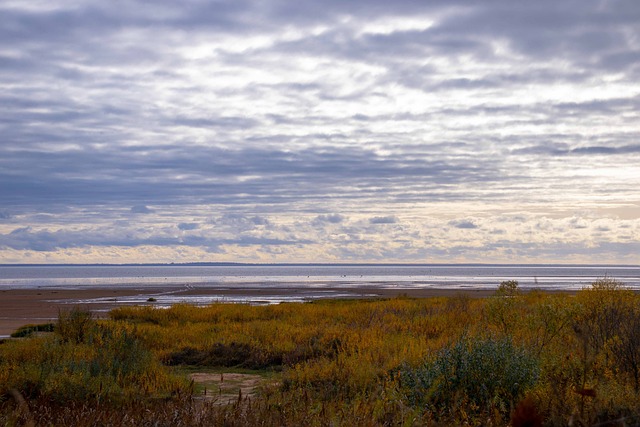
x=514, y=358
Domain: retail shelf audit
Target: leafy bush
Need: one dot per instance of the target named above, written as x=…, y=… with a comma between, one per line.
x=483, y=374
x=508, y=288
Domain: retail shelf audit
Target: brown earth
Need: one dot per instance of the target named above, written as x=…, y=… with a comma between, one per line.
x=225, y=388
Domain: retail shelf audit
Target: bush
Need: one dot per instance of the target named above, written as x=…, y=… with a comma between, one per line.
x=604, y=308
x=482, y=374
x=626, y=346
x=238, y=355
x=508, y=288
x=75, y=325
x=502, y=309
x=28, y=330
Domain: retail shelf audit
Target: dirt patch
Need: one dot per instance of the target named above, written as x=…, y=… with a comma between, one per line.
x=225, y=388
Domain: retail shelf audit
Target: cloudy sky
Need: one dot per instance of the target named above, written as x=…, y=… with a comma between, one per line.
x=320, y=131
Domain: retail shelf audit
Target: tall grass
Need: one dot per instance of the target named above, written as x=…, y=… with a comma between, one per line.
x=401, y=361
x=84, y=360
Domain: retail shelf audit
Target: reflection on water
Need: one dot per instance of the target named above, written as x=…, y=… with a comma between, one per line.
x=280, y=283
x=165, y=301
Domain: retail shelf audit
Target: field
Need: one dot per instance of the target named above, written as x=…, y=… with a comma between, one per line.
x=513, y=358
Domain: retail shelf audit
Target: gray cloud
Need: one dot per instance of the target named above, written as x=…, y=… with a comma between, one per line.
x=47, y=241
x=563, y=150
x=187, y=226
x=240, y=116
x=383, y=220
x=330, y=218
x=463, y=223
x=141, y=209
x=148, y=174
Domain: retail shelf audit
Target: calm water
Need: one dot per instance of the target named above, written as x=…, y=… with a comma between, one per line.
x=315, y=276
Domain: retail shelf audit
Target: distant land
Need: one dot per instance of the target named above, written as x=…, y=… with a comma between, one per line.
x=313, y=264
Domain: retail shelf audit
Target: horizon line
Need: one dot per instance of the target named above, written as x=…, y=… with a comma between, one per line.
x=301, y=264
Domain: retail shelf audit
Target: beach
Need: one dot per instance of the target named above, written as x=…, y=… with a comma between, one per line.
x=19, y=307
x=36, y=294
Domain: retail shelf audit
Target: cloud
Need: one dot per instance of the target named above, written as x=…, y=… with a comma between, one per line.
x=296, y=237
x=237, y=222
x=383, y=220
x=43, y=240
x=259, y=125
x=141, y=209
x=223, y=176
x=556, y=150
x=330, y=218
x=463, y=224
x=187, y=226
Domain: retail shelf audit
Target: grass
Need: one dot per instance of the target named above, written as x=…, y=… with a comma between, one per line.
x=400, y=361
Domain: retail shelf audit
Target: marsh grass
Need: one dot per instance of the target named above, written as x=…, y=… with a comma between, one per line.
x=84, y=360
x=339, y=363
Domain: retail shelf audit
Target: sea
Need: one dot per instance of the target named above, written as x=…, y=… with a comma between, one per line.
x=276, y=283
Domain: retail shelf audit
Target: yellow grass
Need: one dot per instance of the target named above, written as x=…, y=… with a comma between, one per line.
x=342, y=362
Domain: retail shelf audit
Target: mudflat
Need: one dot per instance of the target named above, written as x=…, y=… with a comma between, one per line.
x=19, y=307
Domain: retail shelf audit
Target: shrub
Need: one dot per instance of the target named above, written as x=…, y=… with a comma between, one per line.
x=503, y=307
x=482, y=374
x=604, y=309
x=228, y=355
x=28, y=330
x=626, y=346
x=508, y=288
x=74, y=325
x=546, y=321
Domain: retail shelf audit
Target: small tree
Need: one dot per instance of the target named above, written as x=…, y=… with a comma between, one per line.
x=501, y=309
x=508, y=288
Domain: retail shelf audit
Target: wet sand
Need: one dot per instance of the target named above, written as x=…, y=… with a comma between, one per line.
x=19, y=307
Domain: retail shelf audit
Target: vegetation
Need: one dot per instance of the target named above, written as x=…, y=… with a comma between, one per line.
x=514, y=358
x=491, y=374
x=28, y=330
x=84, y=361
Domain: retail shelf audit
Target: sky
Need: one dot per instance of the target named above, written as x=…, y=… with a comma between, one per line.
x=320, y=131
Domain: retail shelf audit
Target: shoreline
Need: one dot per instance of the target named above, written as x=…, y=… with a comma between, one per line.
x=19, y=307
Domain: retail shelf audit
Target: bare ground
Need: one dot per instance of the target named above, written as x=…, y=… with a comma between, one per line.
x=225, y=388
